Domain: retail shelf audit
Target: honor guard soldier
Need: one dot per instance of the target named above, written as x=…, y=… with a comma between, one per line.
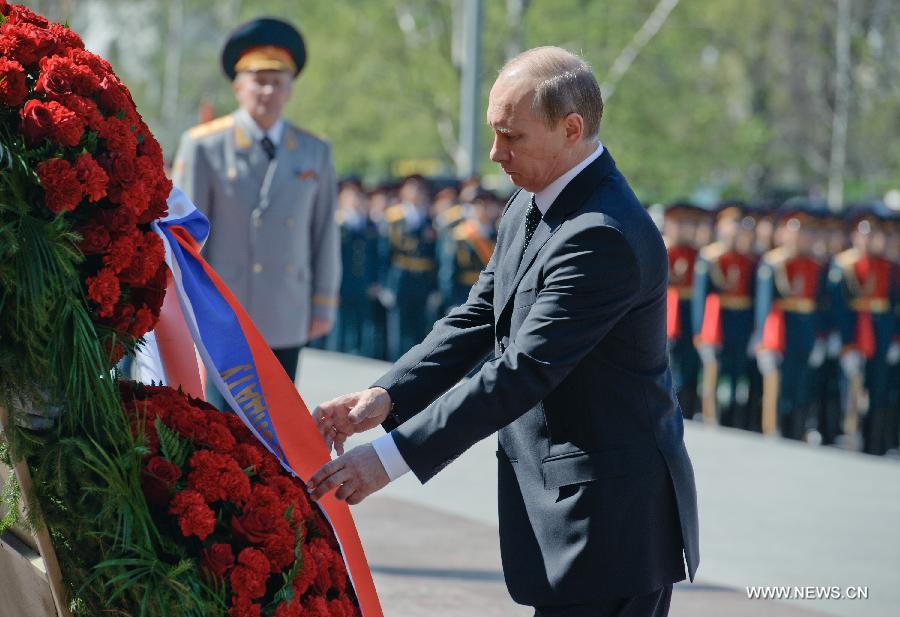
x=268, y=189
x=865, y=294
x=722, y=304
x=790, y=287
x=466, y=252
x=831, y=242
x=680, y=224
x=410, y=281
x=359, y=257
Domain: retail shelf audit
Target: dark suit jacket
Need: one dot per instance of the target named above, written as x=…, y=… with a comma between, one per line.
x=596, y=490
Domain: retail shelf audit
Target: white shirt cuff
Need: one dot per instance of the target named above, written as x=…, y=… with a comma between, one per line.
x=390, y=456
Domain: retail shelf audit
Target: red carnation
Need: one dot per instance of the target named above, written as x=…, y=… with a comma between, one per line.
x=37, y=122
x=57, y=75
x=67, y=127
x=248, y=578
x=62, y=191
x=113, y=96
x=119, y=138
x=164, y=470
x=12, y=83
x=84, y=108
x=220, y=439
x=315, y=606
x=217, y=559
x=51, y=119
x=292, y=609
x=243, y=607
x=103, y=290
x=157, y=480
x=247, y=455
x=134, y=197
x=148, y=256
x=280, y=550
x=67, y=37
x=144, y=321
x=217, y=477
x=25, y=43
x=22, y=15
x=121, y=251
x=92, y=177
x=194, y=516
x=308, y=572
x=341, y=606
x=95, y=239
x=263, y=516
x=100, y=67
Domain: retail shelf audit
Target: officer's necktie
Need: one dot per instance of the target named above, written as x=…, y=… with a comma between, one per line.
x=532, y=218
x=268, y=146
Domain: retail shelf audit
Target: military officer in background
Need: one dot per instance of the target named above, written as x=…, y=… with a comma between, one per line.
x=680, y=224
x=791, y=286
x=359, y=257
x=269, y=191
x=467, y=250
x=722, y=305
x=865, y=294
x=408, y=254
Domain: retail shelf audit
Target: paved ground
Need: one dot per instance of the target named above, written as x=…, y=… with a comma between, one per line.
x=771, y=513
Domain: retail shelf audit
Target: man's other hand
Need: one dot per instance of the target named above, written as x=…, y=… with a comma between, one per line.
x=356, y=475
x=350, y=414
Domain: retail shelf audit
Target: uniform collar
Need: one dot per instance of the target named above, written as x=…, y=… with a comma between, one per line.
x=275, y=132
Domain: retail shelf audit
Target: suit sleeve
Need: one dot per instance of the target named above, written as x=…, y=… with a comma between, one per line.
x=452, y=348
x=591, y=282
x=325, y=244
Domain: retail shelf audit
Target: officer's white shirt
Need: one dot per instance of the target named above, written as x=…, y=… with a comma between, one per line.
x=385, y=447
x=275, y=132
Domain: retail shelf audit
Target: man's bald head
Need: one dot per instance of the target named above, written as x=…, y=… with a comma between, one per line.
x=563, y=83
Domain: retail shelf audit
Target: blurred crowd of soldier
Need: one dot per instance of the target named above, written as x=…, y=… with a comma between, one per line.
x=785, y=319
x=410, y=252
x=781, y=318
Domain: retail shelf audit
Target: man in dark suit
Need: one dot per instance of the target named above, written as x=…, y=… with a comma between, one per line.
x=596, y=490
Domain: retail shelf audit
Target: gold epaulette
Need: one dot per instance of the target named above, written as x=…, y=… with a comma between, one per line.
x=213, y=126
x=394, y=213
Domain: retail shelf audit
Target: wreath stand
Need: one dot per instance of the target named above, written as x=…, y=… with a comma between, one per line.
x=39, y=539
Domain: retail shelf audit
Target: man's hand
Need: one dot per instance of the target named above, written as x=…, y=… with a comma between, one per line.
x=352, y=413
x=318, y=327
x=356, y=475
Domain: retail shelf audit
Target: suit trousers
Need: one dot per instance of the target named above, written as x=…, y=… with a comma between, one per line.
x=654, y=604
x=288, y=357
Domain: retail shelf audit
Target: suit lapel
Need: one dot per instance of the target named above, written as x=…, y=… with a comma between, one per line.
x=507, y=266
x=569, y=200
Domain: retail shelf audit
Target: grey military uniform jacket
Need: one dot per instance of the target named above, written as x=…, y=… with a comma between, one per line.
x=273, y=237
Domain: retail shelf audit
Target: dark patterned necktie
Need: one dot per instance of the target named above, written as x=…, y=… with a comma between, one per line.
x=268, y=146
x=532, y=218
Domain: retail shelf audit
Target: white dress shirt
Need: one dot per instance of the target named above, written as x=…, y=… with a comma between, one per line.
x=275, y=132
x=385, y=447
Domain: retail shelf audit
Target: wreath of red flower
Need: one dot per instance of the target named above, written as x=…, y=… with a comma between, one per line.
x=246, y=521
x=95, y=162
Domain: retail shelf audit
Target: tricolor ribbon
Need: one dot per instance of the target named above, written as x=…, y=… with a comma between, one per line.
x=246, y=372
